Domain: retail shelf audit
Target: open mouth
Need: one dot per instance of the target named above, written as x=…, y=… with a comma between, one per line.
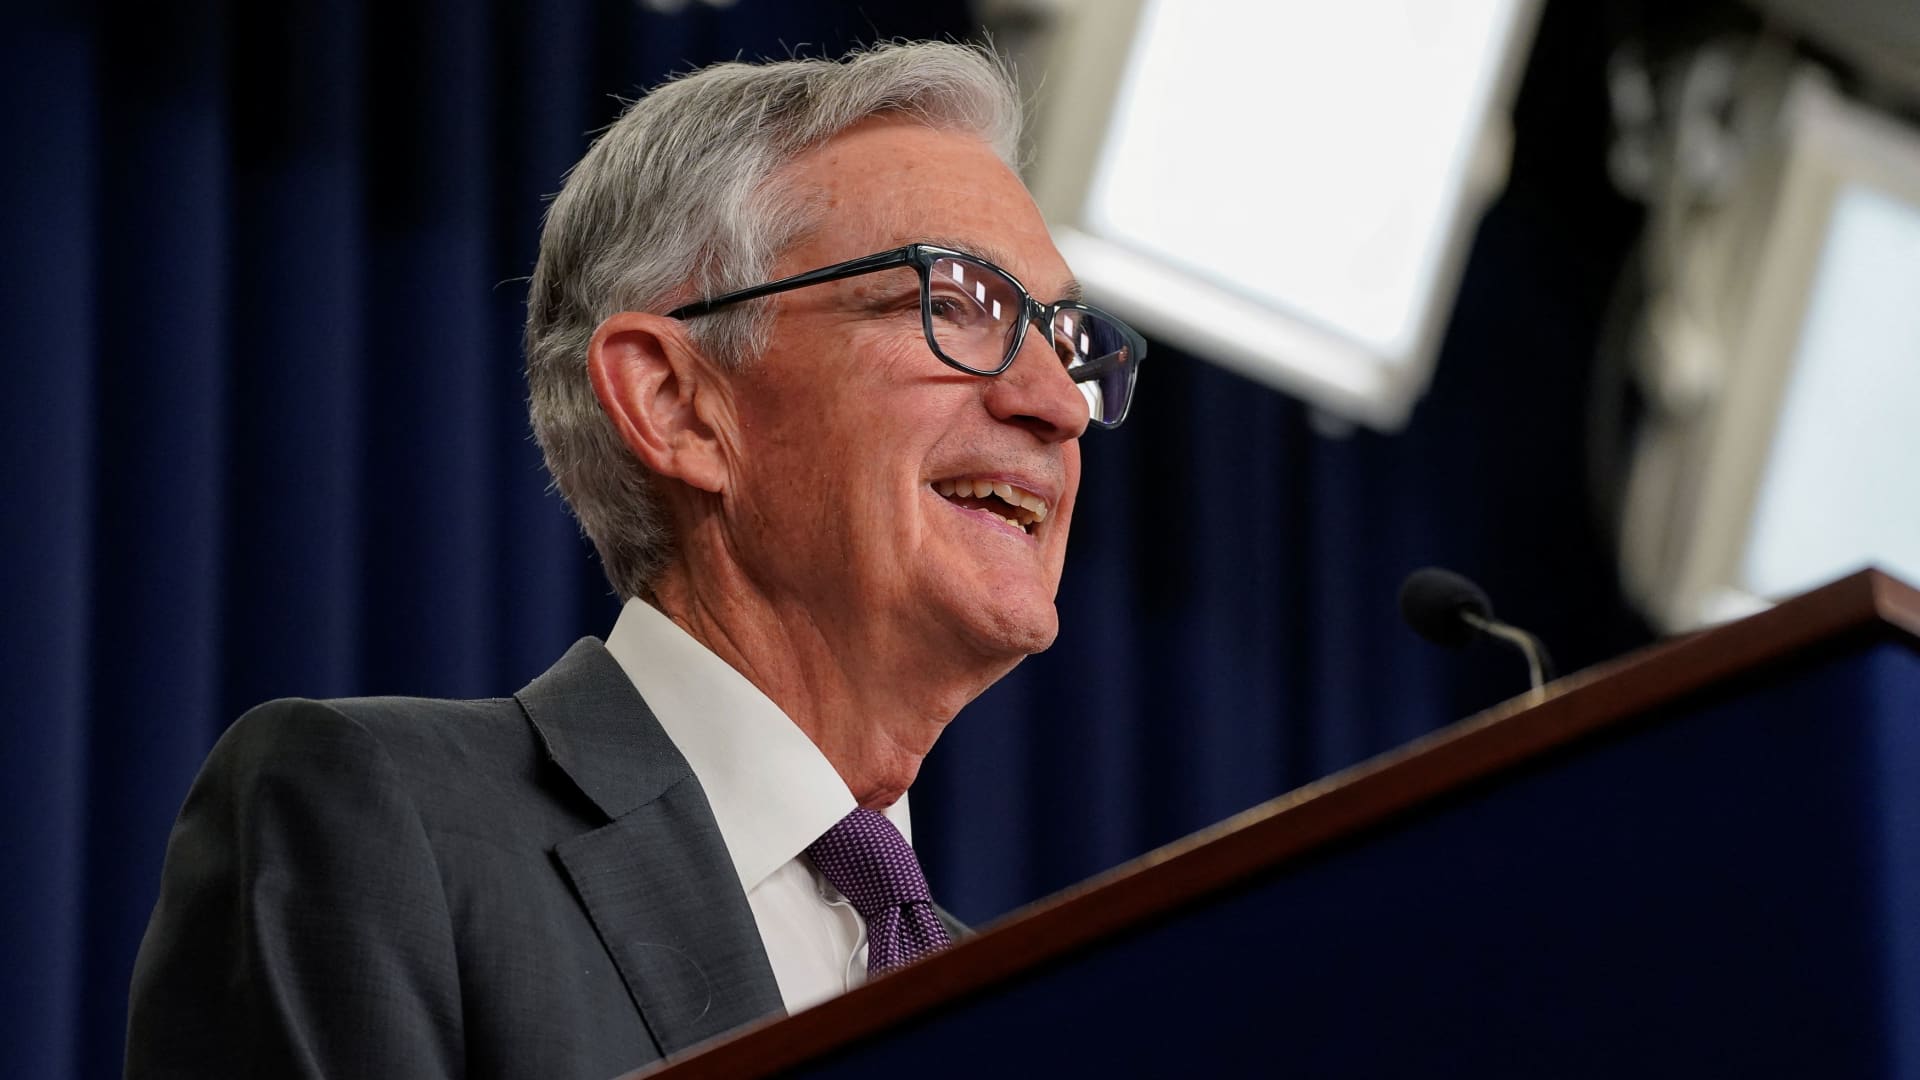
x=1018, y=507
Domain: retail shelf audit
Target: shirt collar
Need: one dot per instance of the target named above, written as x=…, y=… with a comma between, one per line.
x=771, y=789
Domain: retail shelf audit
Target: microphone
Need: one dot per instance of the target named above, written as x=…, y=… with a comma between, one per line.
x=1449, y=610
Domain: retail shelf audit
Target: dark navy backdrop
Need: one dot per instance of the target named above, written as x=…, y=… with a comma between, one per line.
x=263, y=436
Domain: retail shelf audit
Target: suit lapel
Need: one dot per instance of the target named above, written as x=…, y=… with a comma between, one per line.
x=656, y=879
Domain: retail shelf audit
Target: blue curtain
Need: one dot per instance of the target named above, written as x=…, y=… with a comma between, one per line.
x=264, y=435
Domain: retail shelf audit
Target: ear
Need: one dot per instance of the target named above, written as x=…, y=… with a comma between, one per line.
x=662, y=396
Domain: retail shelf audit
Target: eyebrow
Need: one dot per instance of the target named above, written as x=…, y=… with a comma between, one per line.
x=998, y=257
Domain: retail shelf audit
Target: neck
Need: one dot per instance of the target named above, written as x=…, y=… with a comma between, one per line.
x=872, y=704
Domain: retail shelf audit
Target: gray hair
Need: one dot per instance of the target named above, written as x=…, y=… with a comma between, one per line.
x=680, y=199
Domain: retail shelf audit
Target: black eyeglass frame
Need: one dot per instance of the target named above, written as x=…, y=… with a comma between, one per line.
x=922, y=257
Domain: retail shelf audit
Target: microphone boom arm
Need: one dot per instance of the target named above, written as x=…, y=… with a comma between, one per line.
x=1539, y=664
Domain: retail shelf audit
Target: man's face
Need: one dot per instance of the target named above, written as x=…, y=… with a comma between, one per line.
x=856, y=447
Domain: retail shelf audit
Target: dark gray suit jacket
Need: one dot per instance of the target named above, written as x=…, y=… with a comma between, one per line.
x=530, y=886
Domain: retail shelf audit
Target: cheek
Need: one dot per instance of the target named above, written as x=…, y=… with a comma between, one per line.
x=843, y=478
x=838, y=443
x=1071, y=496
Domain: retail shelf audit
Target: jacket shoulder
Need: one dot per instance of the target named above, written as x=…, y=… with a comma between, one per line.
x=410, y=731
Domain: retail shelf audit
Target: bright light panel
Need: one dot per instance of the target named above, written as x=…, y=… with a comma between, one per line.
x=1309, y=157
x=1842, y=484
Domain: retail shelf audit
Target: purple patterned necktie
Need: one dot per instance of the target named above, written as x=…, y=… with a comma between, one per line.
x=868, y=860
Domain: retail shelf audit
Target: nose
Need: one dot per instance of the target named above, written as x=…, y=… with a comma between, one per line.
x=1035, y=392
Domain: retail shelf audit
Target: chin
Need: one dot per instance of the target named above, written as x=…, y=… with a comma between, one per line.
x=999, y=623
x=1021, y=632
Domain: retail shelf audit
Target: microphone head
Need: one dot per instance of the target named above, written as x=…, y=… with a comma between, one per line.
x=1432, y=600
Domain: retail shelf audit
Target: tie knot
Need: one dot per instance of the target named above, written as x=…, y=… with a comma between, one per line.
x=868, y=860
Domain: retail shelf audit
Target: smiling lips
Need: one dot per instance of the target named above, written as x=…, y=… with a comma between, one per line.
x=1018, y=507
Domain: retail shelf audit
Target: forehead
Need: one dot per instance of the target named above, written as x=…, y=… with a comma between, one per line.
x=887, y=182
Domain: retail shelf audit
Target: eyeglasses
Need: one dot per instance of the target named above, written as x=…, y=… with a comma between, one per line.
x=976, y=315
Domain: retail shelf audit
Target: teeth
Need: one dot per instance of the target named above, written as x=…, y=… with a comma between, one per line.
x=967, y=487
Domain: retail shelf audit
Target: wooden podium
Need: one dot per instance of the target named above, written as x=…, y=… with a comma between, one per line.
x=1700, y=860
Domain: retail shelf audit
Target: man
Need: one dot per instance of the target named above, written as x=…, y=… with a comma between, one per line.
x=836, y=504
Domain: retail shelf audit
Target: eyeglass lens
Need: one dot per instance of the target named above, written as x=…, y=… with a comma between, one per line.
x=975, y=312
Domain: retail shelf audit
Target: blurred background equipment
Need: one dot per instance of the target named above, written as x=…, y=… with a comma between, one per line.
x=1877, y=41
x=1288, y=188
x=1779, y=349
x=1766, y=325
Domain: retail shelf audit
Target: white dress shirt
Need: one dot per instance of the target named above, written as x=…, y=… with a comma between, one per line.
x=772, y=791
